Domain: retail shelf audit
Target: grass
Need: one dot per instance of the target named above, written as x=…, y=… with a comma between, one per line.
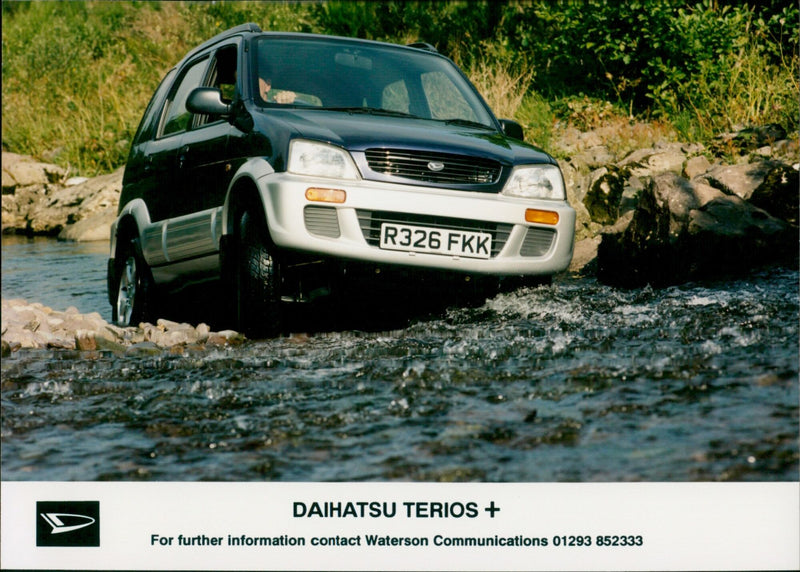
x=78, y=75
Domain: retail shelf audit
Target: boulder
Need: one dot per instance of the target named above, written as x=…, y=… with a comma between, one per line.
x=602, y=200
x=37, y=200
x=95, y=227
x=683, y=231
x=24, y=171
x=741, y=180
x=656, y=159
x=97, y=197
x=779, y=193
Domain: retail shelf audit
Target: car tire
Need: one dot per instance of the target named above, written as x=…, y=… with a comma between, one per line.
x=258, y=279
x=133, y=288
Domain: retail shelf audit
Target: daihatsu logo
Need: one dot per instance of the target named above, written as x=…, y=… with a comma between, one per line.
x=60, y=521
x=68, y=523
x=436, y=166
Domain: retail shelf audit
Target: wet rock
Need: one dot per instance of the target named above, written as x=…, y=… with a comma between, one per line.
x=779, y=193
x=144, y=349
x=682, y=232
x=605, y=193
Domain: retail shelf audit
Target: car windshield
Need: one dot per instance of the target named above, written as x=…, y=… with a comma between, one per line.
x=363, y=78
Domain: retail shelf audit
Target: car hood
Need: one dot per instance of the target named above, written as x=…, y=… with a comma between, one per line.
x=361, y=131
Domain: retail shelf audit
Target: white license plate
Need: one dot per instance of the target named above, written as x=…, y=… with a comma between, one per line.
x=436, y=240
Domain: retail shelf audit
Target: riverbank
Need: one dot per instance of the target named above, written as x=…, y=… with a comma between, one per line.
x=741, y=189
x=665, y=214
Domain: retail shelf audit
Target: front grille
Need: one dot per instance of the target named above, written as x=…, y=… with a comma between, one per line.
x=322, y=221
x=371, y=221
x=537, y=242
x=433, y=167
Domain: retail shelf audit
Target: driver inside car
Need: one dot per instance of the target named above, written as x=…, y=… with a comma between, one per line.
x=268, y=94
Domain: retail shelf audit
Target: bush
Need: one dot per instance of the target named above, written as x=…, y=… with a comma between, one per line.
x=77, y=75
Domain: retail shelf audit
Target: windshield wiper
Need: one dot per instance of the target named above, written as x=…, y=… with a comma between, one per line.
x=371, y=111
x=467, y=123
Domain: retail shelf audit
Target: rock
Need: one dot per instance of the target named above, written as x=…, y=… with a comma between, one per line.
x=696, y=166
x=779, y=193
x=759, y=136
x=584, y=253
x=741, y=180
x=96, y=227
x=26, y=325
x=655, y=160
x=604, y=194
x=24, y=171
x=595, y=157
x=680, y=233
x=85, y=341
x=36, y=202
x=144, y=349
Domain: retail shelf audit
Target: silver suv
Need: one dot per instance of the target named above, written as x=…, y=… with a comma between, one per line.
x=279, y=164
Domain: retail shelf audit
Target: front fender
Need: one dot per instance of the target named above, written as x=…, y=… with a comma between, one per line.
x=137, y=210
x=247, y=177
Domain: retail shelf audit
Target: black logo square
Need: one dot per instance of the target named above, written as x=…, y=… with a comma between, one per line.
x=68, y=523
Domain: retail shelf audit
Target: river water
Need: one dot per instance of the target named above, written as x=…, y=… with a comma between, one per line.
x=575, y=381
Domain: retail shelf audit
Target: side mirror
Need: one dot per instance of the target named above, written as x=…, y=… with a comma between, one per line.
x=207, y=101
x=512, y=129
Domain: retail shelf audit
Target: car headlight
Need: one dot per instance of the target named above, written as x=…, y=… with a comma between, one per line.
x=536, y=182
x=320, y=160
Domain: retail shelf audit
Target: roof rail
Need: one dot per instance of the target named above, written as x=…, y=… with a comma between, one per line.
x=249, y=27
x=423, y=46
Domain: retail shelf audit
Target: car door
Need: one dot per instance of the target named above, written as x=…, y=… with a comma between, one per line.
x=163, y=199
x=204, y=163
x=204, y=170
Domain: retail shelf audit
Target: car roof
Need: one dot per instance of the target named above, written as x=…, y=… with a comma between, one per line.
x=253, y=29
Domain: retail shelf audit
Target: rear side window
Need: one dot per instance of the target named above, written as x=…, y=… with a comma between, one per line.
x=176, y=117
x=150, y=117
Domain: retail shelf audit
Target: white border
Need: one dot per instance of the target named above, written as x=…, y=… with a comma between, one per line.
x=697, y=526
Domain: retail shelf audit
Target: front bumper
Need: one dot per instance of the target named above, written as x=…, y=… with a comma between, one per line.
x=347, y=230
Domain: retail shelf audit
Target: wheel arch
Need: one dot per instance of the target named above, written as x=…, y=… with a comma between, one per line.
x=245, y=189
x=130, y=222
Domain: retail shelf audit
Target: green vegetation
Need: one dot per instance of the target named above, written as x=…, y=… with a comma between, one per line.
x=78, y=75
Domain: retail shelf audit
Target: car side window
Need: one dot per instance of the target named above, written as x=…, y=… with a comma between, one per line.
x=150, y=118
x=222, y=75
x=176, y=117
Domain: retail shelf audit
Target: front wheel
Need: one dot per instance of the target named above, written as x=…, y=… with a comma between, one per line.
x=134, y=286
x=258, y=279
